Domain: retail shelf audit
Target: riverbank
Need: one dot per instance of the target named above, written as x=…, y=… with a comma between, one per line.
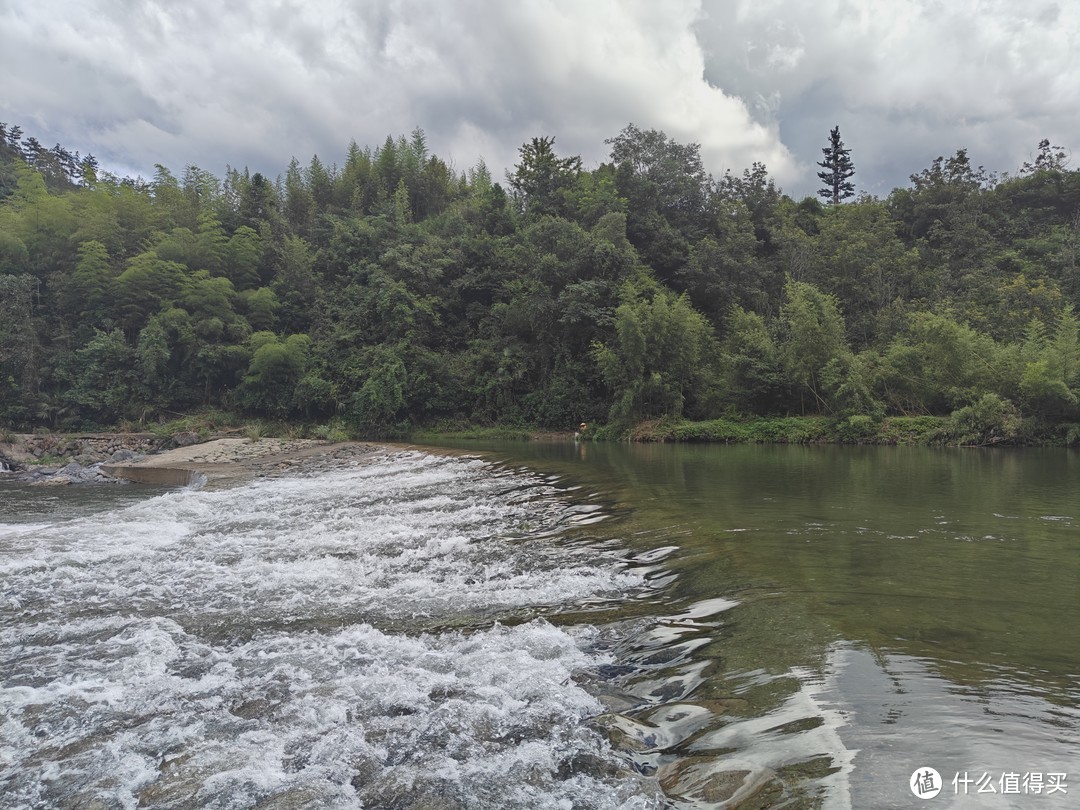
x=968, y=427
x=222, y=461
x=991, y=422
x=921, y=430
x=66, y=459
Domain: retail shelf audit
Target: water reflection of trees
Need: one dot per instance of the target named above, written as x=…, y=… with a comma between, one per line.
x=963, y=557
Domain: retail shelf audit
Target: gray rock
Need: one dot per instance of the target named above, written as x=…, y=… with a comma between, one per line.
x=185, y=438
x=122, y=455
x=78, y=474
x=104, y=478
x=54, y=481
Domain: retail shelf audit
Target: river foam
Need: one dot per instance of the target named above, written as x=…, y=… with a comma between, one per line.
x=364, y=638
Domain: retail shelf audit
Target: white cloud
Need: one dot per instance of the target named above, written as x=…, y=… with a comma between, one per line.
x=139, y=83
x=906, y=79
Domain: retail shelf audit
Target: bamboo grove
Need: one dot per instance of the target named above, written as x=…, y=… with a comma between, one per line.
x=392, y=291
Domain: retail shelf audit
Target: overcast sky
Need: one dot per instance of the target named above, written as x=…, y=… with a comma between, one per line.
x=255, y=82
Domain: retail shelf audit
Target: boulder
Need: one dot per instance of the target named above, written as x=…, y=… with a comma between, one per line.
x=185, y=438
x=57, y=480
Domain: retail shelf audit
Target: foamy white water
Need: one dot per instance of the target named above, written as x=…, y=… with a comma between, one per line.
x=285, y=643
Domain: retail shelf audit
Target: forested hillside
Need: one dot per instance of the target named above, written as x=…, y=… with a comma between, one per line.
x=393, y=291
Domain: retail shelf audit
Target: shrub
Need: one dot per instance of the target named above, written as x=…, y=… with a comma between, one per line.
x=990, y=420
x=858, y=429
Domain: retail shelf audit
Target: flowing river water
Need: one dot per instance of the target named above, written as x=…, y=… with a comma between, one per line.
x=552, y=626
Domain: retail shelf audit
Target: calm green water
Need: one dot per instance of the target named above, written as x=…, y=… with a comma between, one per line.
x=882, y=610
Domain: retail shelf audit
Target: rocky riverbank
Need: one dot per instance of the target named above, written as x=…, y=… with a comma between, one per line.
x=64, y=460
x=52, y=459
x=229, y=459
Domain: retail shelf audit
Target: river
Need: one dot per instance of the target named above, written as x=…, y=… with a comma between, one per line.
x=553, y=625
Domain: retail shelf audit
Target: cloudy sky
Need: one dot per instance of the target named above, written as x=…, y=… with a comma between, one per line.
x=255, y=82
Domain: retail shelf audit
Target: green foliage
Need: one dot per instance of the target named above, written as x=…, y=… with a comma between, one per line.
x=14, y=257
x=779, y=430
x=914, y=430
x=203, y=422
x=450, y=431
x=725, y=270
x=939, y=364
x=260, y=307
x=660, y=361
x=667, y=194
x=752, y=367
x=1071, y=434
x=18, y=348
x=148, y=284
x=295, y=284
x=105, y=377
x=333, y=431
x=542, y=180
x=851, y=381
x=812, y=330
x=858, y=429
x=381, y=397
x=838, y=170
x=990, y=420
x=89, y=290
x=393, y=293
x=858, y=256
x=274, y=371
x=243, y=254
x=1044, y=391
x=152, y=361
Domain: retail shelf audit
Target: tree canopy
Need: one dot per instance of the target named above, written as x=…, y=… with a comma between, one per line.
x=837, y=170
x=393, y=290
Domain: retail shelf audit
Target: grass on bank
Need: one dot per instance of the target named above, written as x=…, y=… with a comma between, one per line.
x=224, y=424
x=973, y=426
x=991, y=421
x=473, y=432
x=786, y=430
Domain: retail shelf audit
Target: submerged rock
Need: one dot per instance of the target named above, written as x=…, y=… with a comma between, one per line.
x=53, y=481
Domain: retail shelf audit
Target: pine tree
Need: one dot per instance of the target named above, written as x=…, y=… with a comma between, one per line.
x=838, y=169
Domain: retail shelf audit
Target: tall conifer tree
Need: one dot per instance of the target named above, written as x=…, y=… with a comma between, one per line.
x=838, y=170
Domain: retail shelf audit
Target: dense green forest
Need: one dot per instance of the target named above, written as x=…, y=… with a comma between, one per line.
x=393, y=291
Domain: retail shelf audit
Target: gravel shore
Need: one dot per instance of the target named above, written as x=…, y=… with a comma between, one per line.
x=224, y=461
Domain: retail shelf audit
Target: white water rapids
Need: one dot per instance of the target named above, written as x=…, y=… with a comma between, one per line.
x=323, y=641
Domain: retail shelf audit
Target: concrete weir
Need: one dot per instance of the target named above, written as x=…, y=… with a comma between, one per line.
x=220, y=462
x=156, y=476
